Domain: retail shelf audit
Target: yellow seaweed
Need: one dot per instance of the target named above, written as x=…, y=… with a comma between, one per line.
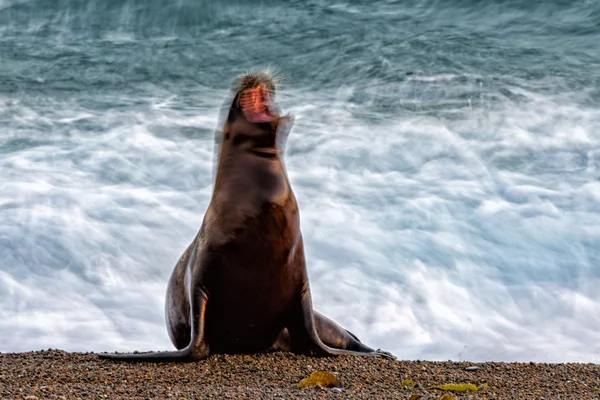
x=320, y=378
x=456, y=387
x=408, y=382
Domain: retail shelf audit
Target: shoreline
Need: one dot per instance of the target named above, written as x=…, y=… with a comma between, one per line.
x=56, y=374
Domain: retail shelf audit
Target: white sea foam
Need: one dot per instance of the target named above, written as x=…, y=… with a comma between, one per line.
x=462, y=239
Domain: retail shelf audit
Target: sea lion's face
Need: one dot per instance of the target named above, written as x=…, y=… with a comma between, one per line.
x=254, y=99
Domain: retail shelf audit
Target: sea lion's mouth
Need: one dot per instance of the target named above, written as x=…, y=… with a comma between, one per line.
x=267, y=152
x=256, y=105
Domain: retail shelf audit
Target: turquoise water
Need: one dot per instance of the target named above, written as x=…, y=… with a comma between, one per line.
x=446, y=158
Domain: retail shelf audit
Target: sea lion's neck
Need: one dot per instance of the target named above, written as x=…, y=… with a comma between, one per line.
x=250, y=168
x=244, y=135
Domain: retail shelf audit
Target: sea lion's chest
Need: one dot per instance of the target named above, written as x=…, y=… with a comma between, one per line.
x=253, y=238
x=252, y=195
x=258, y=245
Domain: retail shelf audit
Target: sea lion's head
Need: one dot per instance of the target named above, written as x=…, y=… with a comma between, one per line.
x=254, y=98
x=253, y=95
x=250, y=122
x=252, y=114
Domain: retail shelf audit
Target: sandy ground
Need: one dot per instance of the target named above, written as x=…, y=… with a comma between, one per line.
x=55, y=374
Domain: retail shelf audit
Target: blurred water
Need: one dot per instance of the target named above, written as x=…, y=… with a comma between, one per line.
x=446, y=158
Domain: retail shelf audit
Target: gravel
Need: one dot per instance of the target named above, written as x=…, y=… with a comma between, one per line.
x=55, y=374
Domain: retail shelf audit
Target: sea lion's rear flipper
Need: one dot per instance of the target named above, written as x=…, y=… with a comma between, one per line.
x=333, y=335
x=196, y=350
x=306, y=327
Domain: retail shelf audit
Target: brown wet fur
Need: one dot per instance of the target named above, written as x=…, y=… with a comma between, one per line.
x=242, y=284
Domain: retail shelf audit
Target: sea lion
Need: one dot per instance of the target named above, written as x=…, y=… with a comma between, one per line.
x=242, y=284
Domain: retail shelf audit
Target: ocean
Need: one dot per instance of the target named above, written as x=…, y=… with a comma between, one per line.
x=445, y=157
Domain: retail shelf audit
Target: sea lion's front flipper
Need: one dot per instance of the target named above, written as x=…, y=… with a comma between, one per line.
x=306, y=338
x=196, y=350
x=162, y=356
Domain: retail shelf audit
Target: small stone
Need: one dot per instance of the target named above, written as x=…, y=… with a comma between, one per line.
x=31, y=398
x=472, y=368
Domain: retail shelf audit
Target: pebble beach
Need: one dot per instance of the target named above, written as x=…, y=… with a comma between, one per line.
x=56, y=374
